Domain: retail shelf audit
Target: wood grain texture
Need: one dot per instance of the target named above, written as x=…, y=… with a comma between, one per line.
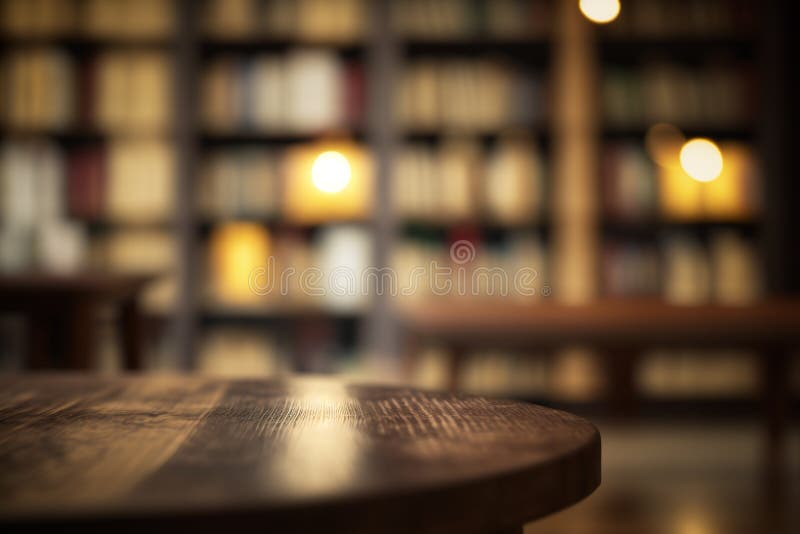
x=302, y=454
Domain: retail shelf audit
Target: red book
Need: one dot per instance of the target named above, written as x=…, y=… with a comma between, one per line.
x=86, y=183
x=355, y=94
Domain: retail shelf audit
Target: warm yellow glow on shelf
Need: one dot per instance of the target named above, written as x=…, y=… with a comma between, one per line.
x=728, y=197
x=701, y=159
x=237, y=249
x=600, y=11
x=330, y=172
x=329, y=180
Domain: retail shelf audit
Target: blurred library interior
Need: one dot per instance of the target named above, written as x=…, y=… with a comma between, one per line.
x=235, y=167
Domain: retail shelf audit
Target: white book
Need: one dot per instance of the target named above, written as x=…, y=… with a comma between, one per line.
x=18, y=184
x=315, y=90
x=343, y=254
x=61, y=246
x=48, y=170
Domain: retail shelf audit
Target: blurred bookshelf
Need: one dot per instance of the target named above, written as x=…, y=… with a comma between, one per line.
x=87, y=144
x=455, y=118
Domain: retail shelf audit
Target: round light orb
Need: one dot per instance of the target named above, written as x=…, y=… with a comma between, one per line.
x=330, y=172
x=701, y=159
x=600, y=11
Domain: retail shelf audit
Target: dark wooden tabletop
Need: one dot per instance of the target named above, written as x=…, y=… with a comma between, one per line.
x=95, y=283
x=309, y=454
x=644, y=321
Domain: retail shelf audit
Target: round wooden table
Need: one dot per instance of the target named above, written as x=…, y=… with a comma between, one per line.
x=311, y=454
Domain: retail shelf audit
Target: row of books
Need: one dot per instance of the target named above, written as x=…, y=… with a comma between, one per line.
x=571, y=377
x=113, y=19
x=449, y=19
x=697, y=374
x=483, y=95
x=231, y=351
x=236, y=351
x=116, y=91
x=131, y=180
x=668, y=18
x=38, y=86
x=45, y=197
x=460, y=180
x=463, y=266
x=242, y=182
x=313, y=346
x=684, y=270
x=635, y=188
x=717, y=94
x=305, y=20
x=301, y=91
x=456, y=182
x=251, y=268
x=251, y=182
x=34, y=228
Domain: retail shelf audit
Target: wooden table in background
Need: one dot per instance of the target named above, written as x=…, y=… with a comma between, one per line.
x=67, y=305
x=622, y=330
x=190, y=454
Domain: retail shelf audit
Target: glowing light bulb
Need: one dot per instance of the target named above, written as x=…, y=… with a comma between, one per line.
x=600, y=11
x=701, y=159
x=330, y=172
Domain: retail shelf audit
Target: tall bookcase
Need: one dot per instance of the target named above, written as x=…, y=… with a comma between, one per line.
x=553, y=129
x=88, y=136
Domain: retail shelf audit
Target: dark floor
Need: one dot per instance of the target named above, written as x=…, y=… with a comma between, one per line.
x=683, y=478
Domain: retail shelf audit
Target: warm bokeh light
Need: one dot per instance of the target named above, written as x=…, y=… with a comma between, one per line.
x=330, y=172
x=701, y=159
x=600, y=11
x=330, y=180
x=236, y=250
x=733, y=195
x=663, y=143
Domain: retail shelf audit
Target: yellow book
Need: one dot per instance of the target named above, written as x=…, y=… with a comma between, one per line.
x=459, y=168
x=140, y=183
x=239, y=254
x=149, y=105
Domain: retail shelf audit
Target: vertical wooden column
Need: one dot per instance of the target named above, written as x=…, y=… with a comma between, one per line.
x=382, y=67
x=574, y=246
x=574, y=123
x=185, y=132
